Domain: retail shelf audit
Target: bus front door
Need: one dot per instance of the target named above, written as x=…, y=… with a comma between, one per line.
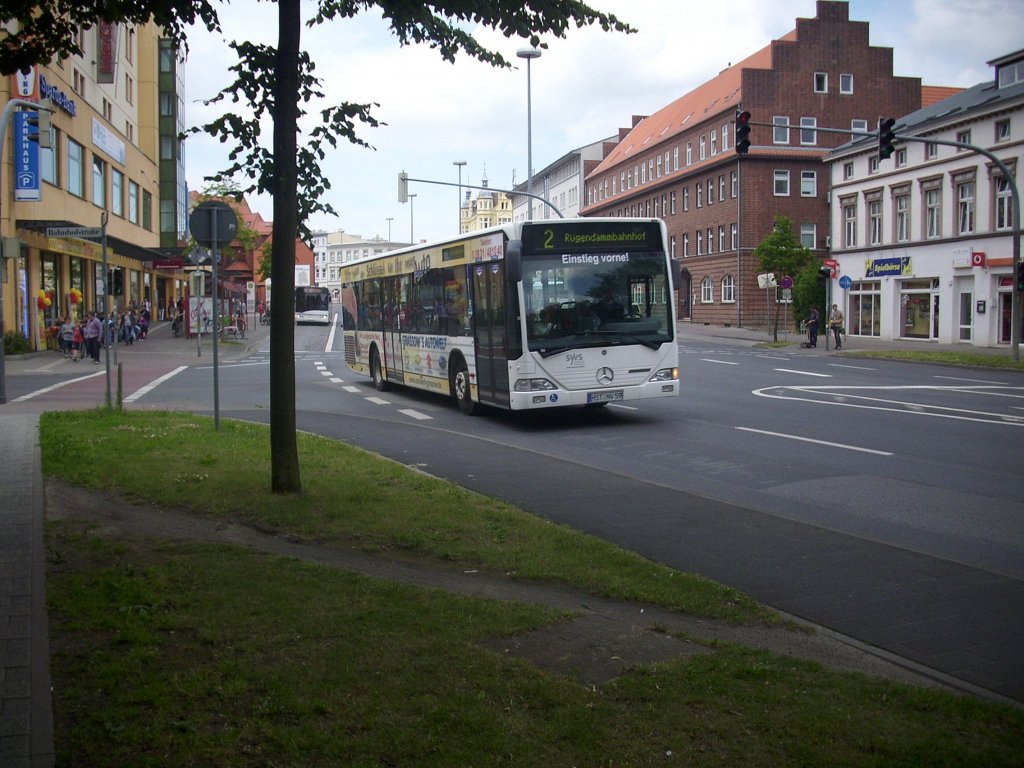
x=489, y=332
x=394, y=309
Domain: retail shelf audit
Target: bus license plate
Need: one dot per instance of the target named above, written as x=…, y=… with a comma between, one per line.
x=604, y=397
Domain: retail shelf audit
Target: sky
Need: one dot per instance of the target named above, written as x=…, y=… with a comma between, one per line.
x=583, y=88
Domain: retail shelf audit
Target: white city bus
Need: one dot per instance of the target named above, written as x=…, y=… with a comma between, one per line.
x=523, y=316
x=312, y=305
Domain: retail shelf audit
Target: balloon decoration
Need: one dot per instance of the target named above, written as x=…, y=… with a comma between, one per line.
x=75, y=296
x=44, y=299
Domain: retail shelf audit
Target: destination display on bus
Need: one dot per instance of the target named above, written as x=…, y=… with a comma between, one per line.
x=591, y=237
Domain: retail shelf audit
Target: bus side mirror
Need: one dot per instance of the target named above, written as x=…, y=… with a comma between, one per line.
x=514, y=261
x=677, y=273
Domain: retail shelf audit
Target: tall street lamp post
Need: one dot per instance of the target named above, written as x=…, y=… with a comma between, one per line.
x=390, y=219
x=459, y=164
x=529, y=54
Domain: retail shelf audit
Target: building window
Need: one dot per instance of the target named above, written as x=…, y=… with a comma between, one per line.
x=875, y=222
x=659, y=166
x=689, y=153
x=76, y=169
x=686, y=199
x=703, y=148
x=725, y=137
x=147, y=210
x=850, y=225
x=49, y=161
x=129, y=89
x=1004, y=203
x=721, y=188
x=672, y=202
x=963, y=137
x=1010, y=74
x=873, y=165
x=821, y=82
x=1002, y=130
x=848, y=171
x=965, y=208
x=734, y=236
x=809, y=234
x=933, y=213
x=901, y=158
x=780, y=131
x=675, y=159
x=734, y=183
x=133, y=202
x=721, y=237
x=846, y=84
x=711, y=192
x=807, y=135
x=902, y=204
x=931, y=150
x=672, y=246
x=728, y=290
x=707, y=290
x=686, y=244
x=99, y=182
x=714, y=142
x=700, y=243
x=782, y=183
x=700, y=195
x=859, y=124
x=711, y=240
x=808, y=183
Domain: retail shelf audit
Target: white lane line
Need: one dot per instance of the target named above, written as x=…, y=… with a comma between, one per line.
x=52, y=387
x=414, y=414
x=623, y=407
x=352, y=389
x=379, y=401
x=773, y=357
x=336, y=380
x=326, y=373
x=816, y=442
x=975, y=381
x=852, y=367
x=720, y=362
x=329, y=346
x=805, y=373
x=141, y=391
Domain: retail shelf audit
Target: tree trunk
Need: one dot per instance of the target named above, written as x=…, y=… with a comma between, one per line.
x=284, y=454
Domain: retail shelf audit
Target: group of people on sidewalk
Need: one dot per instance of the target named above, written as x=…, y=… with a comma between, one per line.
x=835, y=326
x=82, y=338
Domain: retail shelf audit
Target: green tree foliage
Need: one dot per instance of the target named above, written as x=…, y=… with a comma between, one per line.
x=280, y=83
x=782, y=253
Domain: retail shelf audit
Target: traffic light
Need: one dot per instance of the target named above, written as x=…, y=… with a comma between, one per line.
x=886, y=136
x=39, y=127
x=1020, y=276
x=403, y=187
x=742, y=132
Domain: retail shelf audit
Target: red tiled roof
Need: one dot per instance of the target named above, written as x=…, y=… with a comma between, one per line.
x=931, y=94
x=716, y=96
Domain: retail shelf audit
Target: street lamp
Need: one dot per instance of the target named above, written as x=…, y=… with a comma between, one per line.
x=460, y=163
x=529, y=54
x=412, y=240
x=390, y=219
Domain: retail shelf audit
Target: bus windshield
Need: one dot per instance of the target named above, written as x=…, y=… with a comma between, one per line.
x=596, y=299
x=312, y=304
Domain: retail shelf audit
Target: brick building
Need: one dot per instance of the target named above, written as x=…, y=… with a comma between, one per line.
x=680, y=163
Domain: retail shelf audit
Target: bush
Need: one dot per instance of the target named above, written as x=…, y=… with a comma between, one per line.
x=15, y=344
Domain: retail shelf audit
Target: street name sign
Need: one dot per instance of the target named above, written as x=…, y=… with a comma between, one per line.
x=74, y=231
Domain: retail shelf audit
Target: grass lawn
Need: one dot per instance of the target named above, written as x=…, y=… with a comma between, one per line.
x=173, y=653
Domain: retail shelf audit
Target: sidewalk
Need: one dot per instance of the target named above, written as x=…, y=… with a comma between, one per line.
x=26, y=712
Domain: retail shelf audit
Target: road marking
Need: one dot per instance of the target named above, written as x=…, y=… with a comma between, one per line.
x=379, y=401
x=352, y=389
x=141, y=391
x=975, y=381
x=58, y=385
x=326, y=373
x=816, y=442
x=329, y=346
x=852, y=367
x=623, y=407
x=805, y=373
x=773, y=357
x=414, y=414
x=842, y=396
x=336, y=380
x=720, y=362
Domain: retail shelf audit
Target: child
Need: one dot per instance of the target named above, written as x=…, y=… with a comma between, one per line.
x=77, y=342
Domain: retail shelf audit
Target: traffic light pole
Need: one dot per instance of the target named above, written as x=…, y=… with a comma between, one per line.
x=404, y=179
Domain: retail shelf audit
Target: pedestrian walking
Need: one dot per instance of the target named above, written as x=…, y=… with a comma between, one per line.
x=835, y=323
x=93, y=333
x=811, y=324
x=67, y=336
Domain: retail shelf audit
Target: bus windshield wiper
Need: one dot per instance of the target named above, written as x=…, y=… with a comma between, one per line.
x=649, y=343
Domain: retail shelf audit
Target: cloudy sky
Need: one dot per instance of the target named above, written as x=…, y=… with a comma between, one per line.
x=584, y=88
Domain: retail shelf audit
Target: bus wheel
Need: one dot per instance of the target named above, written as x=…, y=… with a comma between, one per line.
x=461, y=388
x=377, y=373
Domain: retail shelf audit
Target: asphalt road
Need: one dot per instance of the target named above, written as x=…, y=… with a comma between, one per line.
x=880, y=500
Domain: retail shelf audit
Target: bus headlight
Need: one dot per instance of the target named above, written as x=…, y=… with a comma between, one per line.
x=666, y=374
x=533, y=385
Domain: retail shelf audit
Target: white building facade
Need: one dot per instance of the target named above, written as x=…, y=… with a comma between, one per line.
x=561, y=183
x=332, y=249
x=924, y=239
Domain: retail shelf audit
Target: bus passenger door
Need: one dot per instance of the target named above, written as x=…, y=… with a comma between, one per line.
x=394, y=309
x=489, y=332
